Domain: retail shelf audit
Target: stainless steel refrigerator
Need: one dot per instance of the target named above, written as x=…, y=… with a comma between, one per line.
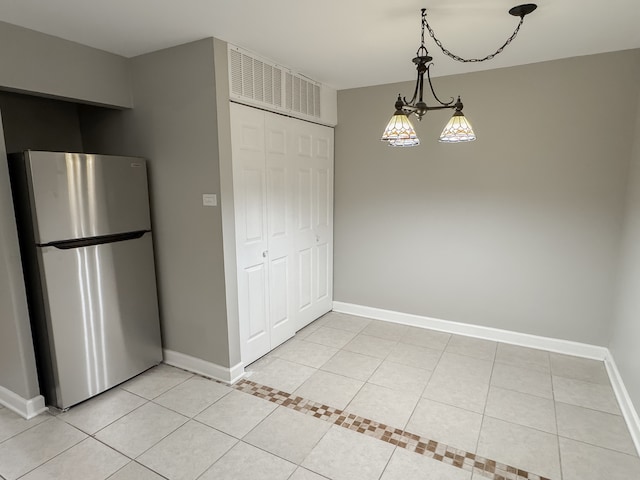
x=86, y=246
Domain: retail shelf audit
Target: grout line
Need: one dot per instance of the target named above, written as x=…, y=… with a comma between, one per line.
x=204, y=472
x=382, y=360
x=94, y=436
x=591, y=409
x=386, y=465
x=59, y=453
x=29, y=427
x=400, y=438
x=486, y=399
x=145, y=467
x=613, y=450
x=301, y=468
x=555, y=416
x=424, y=389
x=146, y=401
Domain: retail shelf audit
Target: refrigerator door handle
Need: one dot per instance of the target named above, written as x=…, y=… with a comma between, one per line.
x=88, y=242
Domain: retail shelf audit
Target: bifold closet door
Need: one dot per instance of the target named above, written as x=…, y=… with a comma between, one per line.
x=250, y=203
x=313, y=197
x=263, y=196
x=283, y=194
x=280, y=245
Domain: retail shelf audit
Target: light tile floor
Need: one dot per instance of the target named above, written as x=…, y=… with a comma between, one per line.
x=547, y=414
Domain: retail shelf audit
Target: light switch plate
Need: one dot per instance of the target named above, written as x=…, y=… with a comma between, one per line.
x=209, y=199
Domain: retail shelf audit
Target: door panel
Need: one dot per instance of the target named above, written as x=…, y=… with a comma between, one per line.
x=322, y=198
x=249, y=186
x=276, y=138
x=256, y=302
x=322, y=148
x=305, y=280
x=304, y=235
x=251, y=136
x=324, y=220
x=304, y=145
x=279, y=291
x=305, y=200
x=252, y=182
x=277, y=203
x=314, y=162
x=280, y=231
x=322, y=271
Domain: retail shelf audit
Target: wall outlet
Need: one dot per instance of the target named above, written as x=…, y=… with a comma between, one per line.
x=209, y=199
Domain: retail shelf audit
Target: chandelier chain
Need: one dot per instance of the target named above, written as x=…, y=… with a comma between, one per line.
x=467, y=60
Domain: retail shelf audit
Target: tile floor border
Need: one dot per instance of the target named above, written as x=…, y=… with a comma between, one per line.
x=438, y=451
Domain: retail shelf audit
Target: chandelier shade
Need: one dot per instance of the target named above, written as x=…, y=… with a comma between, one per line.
x=457, y=130
x=409, y=142
x=400, y=131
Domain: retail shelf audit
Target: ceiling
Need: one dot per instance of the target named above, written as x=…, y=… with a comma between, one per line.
x=342, y=43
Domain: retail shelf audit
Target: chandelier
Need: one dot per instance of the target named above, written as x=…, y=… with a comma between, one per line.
x=400, y=131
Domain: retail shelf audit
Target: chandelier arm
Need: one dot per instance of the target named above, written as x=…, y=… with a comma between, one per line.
x=434, y=92
x=441, y=107
x=417, y=90
x=471, y=60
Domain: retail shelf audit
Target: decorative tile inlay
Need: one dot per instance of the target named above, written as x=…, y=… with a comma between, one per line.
x=415, y=443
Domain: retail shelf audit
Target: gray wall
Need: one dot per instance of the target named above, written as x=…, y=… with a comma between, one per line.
x=174, y=125
x=39, y=124
x=519, y=230
x=50, y=66
x=625, y=344
x=17, y=362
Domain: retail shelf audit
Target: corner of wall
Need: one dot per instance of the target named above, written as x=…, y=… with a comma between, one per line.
x=226, y=196
x=625, y=328
x=629, y=411
x=18, y=374
x=26, y=408
x=174, y=125
x=229, y=375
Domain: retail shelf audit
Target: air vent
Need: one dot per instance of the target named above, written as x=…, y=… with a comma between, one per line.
x=255, y=79
x=302, y=95
x=260, y=82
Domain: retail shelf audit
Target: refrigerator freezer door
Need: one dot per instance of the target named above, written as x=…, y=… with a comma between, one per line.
x=79, y=196
x=102, y=316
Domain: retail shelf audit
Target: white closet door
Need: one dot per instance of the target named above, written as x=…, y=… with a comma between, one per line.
x=313, y=191
x=280, y=256
x=283, y=193
x=323, y=219
x=304, y=235
x=249, y=186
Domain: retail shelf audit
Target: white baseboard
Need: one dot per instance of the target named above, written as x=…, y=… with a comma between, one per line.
x=506, y=336
x=523, y=339
x=624, y=400
x=26, y=408
x=202, y=367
